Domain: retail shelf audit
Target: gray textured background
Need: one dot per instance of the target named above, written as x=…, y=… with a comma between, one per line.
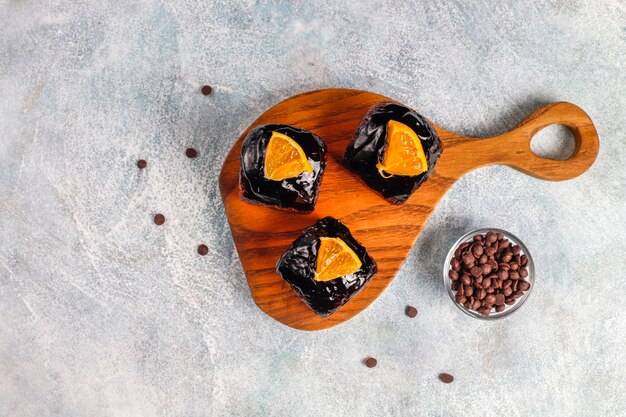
x=104, y=314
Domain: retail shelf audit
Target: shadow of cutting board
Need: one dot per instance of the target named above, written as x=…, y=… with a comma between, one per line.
x=262, y=234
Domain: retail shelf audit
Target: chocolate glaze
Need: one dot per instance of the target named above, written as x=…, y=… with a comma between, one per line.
x=296, y=194
x=368, y=146
x=297, y=267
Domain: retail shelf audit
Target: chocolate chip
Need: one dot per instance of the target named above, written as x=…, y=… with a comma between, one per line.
x=483, y=259
x=514, y=275
x=468, y=259
x=453, y=275
x=507, y=291
x=523, y=260
x=486, y=268
x=371, y=362
x=500, y=308
x=446, y=378
x=456, y=265
x=491, y=237
x=490, y=299
x=500, y=235
x=191, y=153
x=502, y=274
x=141, y=164
x=499, y=299
x=465, y=279
x=203, y=249
x=460, y=298
x=523, y=272
x=478, y=238
x=514, y=266
x=475, y=304
x=206, y=90
x=159, y=219
x=477, y=250
x=411, y=311
x=476, y=271
x=523, y=285
x=516, y=250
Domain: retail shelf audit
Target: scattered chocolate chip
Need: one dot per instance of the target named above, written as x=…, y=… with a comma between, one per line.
x=141, y=164
x=159, y=219
x=191, y=153
x=371, y=362
x=446, y=378
x=206, y=90
x=411, y=311
x=203, y=249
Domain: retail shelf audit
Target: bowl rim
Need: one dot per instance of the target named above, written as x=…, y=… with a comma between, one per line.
x=447, y=282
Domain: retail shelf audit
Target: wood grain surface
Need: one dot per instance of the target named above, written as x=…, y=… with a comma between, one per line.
x=388, y=231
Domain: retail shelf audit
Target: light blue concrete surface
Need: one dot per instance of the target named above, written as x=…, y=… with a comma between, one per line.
x=104, y=314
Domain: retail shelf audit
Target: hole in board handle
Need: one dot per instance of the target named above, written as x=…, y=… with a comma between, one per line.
x=554, y=142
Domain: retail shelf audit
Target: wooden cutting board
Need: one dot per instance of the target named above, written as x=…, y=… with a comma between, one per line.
x=388, y=231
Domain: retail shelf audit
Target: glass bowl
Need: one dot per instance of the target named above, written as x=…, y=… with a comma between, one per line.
x=509, y=309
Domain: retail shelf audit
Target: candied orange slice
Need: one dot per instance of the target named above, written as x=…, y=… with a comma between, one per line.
x=404, y=154
x=284, y=158
x=335, y=259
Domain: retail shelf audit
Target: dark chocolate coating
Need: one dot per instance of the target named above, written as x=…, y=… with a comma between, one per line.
x=297, y=267
x=368, y=146
x=296, y=194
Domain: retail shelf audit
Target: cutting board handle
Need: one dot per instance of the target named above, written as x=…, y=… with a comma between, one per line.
x=513, y=148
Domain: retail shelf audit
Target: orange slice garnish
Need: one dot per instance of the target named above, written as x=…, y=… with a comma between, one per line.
x=284, y=158
x=335, y=259
x=404, y=154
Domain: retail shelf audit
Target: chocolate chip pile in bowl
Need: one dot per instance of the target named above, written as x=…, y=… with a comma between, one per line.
x=488, y=273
